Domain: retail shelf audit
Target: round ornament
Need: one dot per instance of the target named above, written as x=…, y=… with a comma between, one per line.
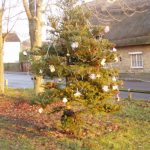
x=114, y=79
x=107, y=29
x=40, y=110
x=65, y=100
x=74, y=45
x=25, y=53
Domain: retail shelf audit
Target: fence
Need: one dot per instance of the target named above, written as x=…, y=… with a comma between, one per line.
x=130, y=91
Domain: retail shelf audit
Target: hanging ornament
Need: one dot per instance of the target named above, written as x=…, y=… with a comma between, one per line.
x=98, y=75
x=25, y=53
x=92, y=76
x=107, y=29
x=103, y=62
x=114, y=79
x=115, y=87
x=114, y=50
x=74, y=45
x=65, y=100
x=105, y=88
x=41, y=71
x=40, y=110
x=52, y=68
x=77, y=94
x=116, y=59
x=68, y=54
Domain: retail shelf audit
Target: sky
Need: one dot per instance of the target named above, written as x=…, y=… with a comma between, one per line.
x=18, y=24
x=21, y=25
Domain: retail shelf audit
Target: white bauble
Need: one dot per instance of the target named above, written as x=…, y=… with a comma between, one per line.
x=65, y=100
x=52, y=68
x=107, y=29
x=92, y=76
x=114, y=79
x=25, y=53
x=103, y=62
x=40, y=110
x=115, y=87
x=105, y=88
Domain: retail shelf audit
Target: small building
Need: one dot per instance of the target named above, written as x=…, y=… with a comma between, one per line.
x=12, y=47
x=132, y=38
x=129, y=23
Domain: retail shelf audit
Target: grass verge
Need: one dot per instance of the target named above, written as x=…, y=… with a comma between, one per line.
x=131, y=130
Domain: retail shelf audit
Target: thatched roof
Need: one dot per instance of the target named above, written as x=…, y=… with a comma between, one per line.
x=129, y=21
x=134, y=30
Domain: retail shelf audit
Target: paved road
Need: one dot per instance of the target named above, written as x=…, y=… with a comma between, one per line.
x=19, y=80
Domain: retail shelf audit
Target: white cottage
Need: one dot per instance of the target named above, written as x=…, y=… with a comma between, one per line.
x=12, y=47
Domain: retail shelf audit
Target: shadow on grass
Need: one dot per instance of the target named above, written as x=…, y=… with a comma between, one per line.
x=21, y=126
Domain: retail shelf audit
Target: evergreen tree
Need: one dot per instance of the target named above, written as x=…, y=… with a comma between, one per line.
x=80, y=54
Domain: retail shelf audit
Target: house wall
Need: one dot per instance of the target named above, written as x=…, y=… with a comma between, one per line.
x=11, y=52
x=125, y=65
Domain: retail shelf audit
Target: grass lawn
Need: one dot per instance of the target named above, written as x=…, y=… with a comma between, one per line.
x=23, y=128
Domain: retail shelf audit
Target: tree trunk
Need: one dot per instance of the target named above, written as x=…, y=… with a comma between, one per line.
x=34, y=13
x=38, y=84
x=35, y=32
x=1, y=57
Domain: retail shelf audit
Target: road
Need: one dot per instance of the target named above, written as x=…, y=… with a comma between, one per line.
x=22, y=80
x=138, y=86
x=19, y=80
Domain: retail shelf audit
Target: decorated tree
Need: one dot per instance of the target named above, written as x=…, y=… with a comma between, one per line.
x=82, y=59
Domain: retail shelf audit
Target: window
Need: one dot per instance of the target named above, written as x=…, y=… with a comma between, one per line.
x=136, y=60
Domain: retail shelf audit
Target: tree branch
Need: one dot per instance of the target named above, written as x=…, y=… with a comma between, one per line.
x=27, y=9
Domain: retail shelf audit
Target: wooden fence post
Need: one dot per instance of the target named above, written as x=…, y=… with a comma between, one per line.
x=130, y=95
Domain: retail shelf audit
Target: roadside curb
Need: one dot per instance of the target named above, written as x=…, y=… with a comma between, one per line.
x=133, y=79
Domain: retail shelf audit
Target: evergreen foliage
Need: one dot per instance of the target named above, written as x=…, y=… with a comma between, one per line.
x=82, y=59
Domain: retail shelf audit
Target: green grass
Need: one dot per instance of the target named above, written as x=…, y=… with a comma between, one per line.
x=133, y=133
x=24, y=94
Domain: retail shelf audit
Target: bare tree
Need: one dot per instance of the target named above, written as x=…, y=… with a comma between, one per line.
x=106, y=12
x=2, y=5
x=33, y=10
x=7, y=21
